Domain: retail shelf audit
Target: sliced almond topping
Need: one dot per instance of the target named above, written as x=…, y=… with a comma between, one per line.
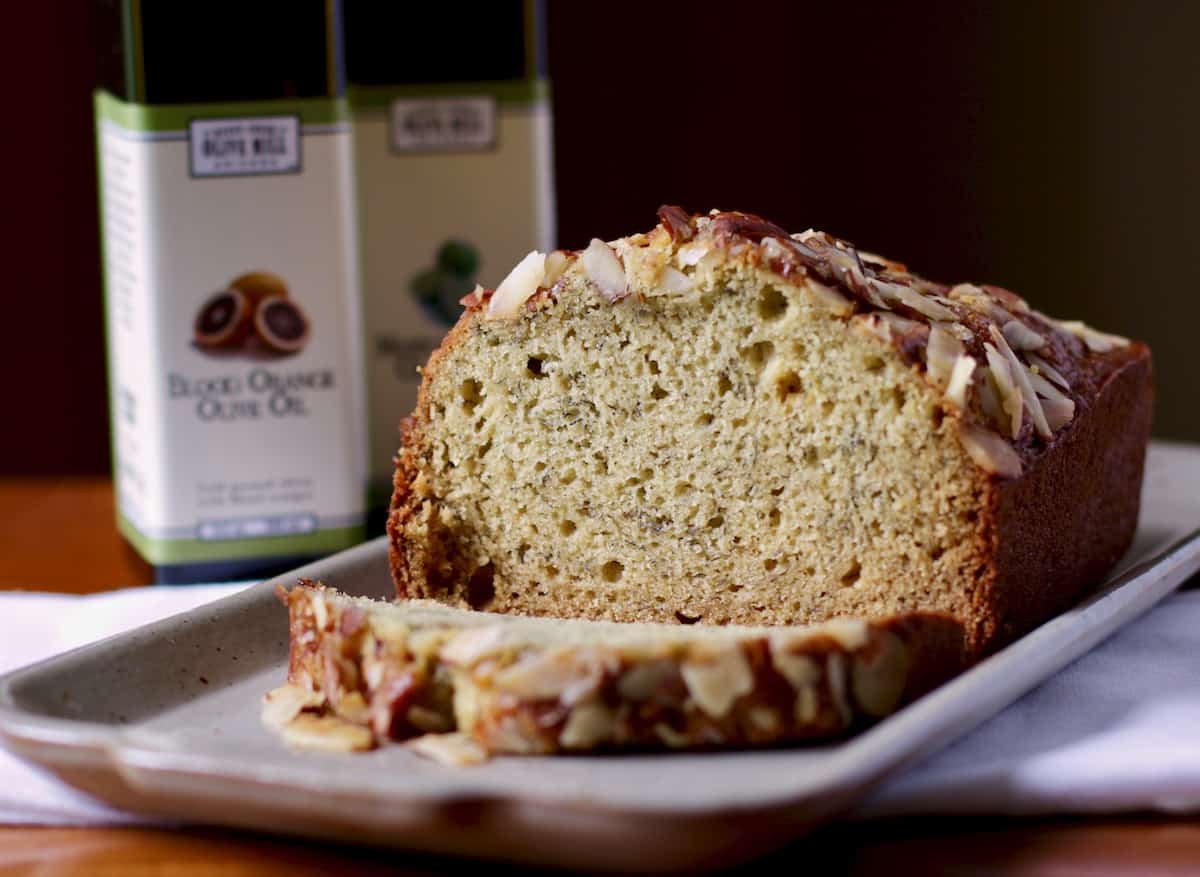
x=878, y=682
x=960, y=380
x=691, y=254
x=452, y=750
x=320, y=614
x=985, y=388
x=1021, y=337
x=1048, y=370
x=835, y=675
x=326, y=734
x=588, y=725
x=1021, y=377
x=674, y=280
x=515, y=289
x=978, y=299
x=1097, y=341
x=1059, y=412
x=469, y=646
x=990, y=452
x=565, y=674
x=915, y=300
x=1044, y=388
x=604, y=269
x=556, y=264
x=716, y=681
x=1010, y=393
x=958, y=330
x=942, y=351
x=772, y=249
x=283, y=704
x=849, y=633
x=800, y=671
x=830, y=297
x=899, y=324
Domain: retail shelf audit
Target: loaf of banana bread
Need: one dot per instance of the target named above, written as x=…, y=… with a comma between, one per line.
x=721, y=422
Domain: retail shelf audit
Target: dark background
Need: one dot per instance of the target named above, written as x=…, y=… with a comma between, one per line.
x=1050, y=147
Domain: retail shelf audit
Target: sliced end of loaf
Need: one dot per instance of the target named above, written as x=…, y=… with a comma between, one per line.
x=523, y=686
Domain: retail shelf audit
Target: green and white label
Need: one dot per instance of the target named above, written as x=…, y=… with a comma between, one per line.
x=232, y=292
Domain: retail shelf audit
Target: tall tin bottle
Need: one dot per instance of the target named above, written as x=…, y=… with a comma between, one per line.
x=232, y=286
x=454, y=164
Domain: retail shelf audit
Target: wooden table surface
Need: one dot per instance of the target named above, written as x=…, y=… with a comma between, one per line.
x=59, y=535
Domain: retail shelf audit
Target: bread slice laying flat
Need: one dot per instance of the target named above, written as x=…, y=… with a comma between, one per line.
x=363, y=672
x=720, y=422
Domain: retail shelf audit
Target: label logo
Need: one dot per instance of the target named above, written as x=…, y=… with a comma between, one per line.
x=456, y=124
x=254, y=315
x=244, y=147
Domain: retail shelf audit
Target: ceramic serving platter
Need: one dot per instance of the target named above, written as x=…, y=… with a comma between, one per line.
x=164, y=720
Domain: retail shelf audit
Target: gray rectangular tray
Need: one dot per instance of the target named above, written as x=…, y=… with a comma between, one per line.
x=164, y=720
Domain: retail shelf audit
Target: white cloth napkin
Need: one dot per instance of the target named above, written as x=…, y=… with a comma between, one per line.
x=1115, y=731
x=35, y=626
x=1118, y=730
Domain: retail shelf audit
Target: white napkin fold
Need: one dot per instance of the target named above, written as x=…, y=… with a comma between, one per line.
x=1118, y=730
x=35, y=626
x=1115, y=731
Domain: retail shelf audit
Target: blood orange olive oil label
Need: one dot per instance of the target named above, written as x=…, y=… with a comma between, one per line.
x=232, y=300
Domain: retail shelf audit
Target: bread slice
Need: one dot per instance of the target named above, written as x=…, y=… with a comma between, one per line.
x=364, y=671
x=717, y=421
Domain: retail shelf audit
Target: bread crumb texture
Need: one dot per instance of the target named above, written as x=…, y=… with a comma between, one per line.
x=718, y=422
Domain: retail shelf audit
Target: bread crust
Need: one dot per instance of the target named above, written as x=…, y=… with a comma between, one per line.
x=1042, y=539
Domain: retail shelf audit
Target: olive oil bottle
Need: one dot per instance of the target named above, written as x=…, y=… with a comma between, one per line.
x=454, y=165
x=231, y=284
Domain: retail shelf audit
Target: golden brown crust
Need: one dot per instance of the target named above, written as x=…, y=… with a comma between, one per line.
x=1065, y=523
x=433, y=559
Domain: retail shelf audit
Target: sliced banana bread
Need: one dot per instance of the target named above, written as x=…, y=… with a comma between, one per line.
x=718, y=421
x=363, y=672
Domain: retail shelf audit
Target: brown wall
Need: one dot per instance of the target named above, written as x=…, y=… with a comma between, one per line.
x=1048, y=147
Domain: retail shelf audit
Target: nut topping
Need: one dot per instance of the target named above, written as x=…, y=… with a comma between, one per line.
x=326, y=734
x=1021, y=378
x=1048, y=370
x=677, y=223
x=716, y=681
x=878, y=681
x=1096, y=341
x=284, y=703
x=1021, y=337
x=452, y=750
x=605, y=270
x=942, y=352
x=515, y=289
x=960, y=381
x=990, y=452
x=556, y=263
x=673, y=280
x=1010, y=393
x=588, y=725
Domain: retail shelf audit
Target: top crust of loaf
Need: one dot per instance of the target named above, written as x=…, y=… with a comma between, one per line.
x=1054, y=415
